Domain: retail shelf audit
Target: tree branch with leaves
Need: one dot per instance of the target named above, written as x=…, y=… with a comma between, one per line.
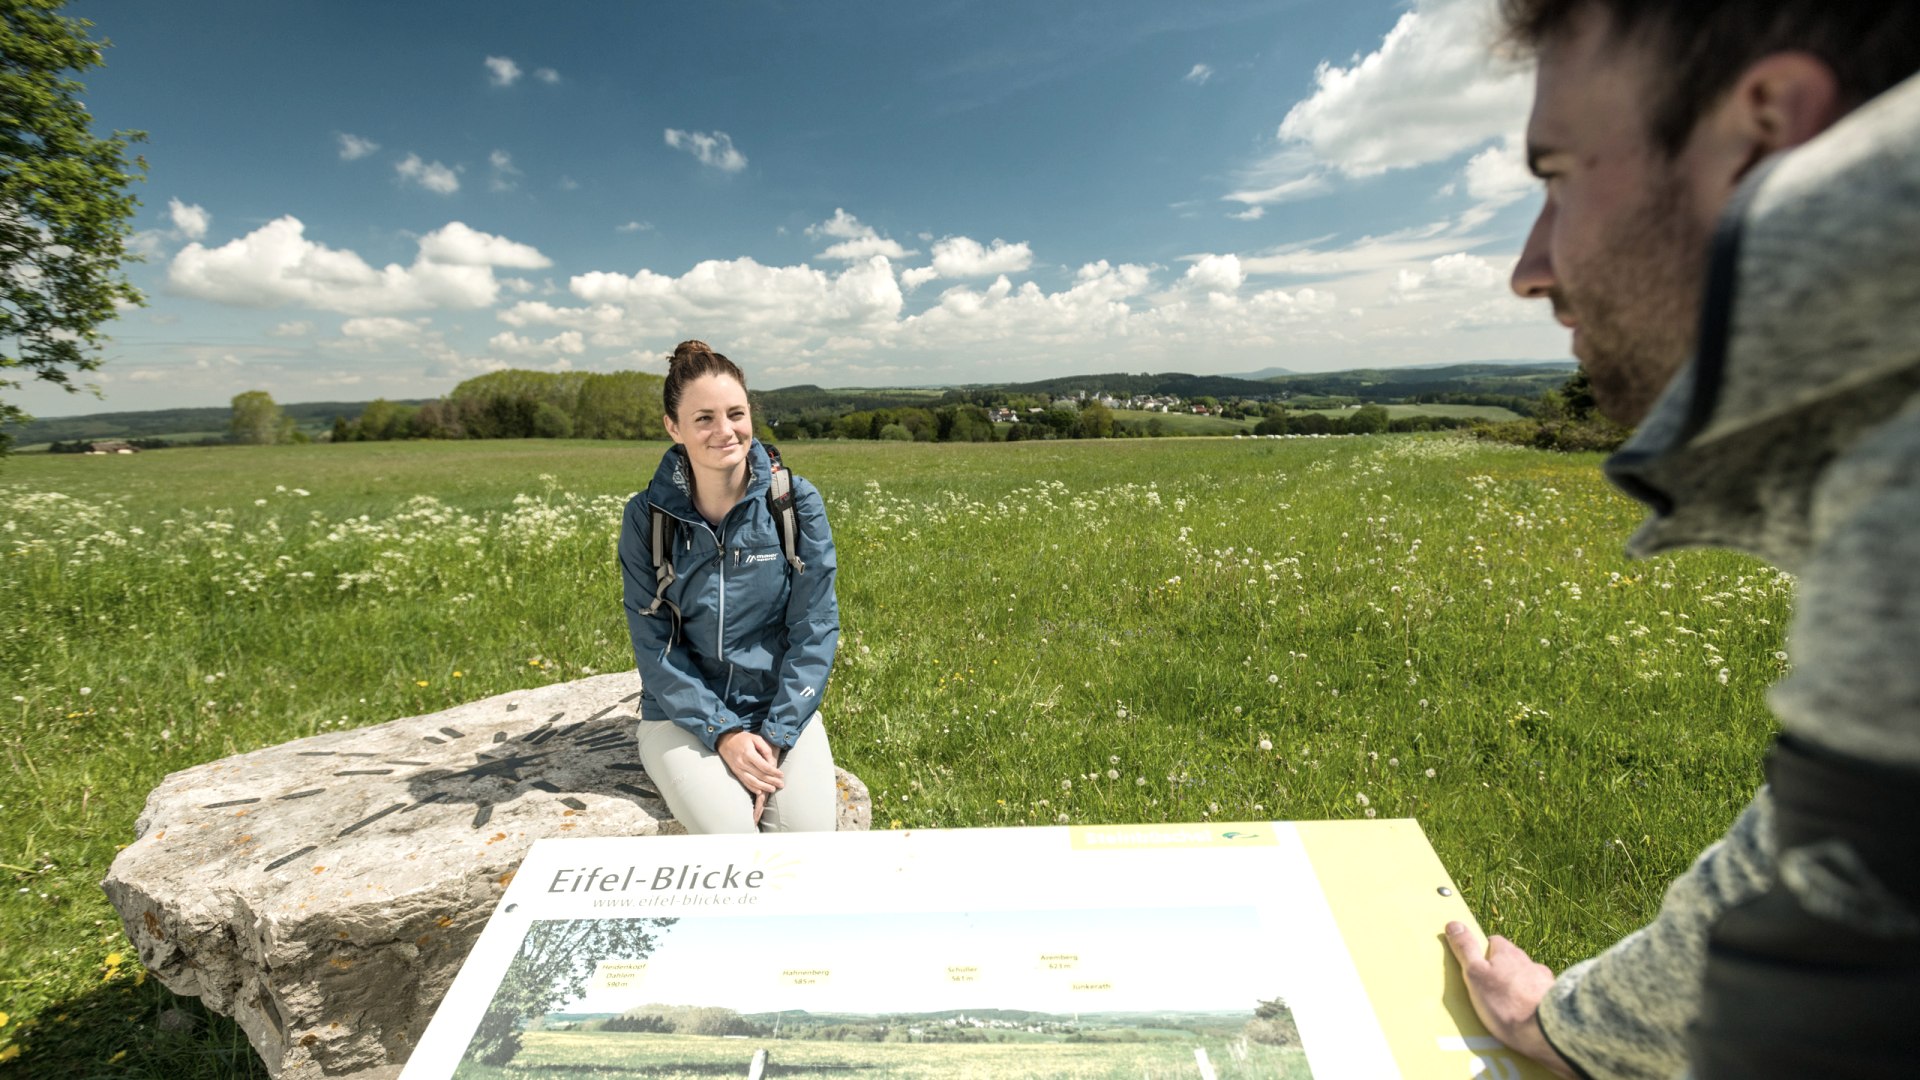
x=65, y=211
x=555, y=960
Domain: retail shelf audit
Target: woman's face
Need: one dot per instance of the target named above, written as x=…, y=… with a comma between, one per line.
x=714, y=424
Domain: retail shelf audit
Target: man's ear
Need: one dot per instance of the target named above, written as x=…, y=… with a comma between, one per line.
x=1780, y=101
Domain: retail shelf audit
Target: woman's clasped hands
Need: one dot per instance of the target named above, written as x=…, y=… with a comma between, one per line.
x=755, y=763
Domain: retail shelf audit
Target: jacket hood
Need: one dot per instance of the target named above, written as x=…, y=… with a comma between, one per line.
x=1809, y=338
x=672, y=486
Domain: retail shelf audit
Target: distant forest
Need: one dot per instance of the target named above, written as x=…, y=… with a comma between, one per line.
x=520, y=405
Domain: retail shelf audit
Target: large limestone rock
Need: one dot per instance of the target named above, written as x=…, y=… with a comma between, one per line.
x=324, y=892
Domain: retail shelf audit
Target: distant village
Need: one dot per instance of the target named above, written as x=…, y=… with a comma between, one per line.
x=1156, y=403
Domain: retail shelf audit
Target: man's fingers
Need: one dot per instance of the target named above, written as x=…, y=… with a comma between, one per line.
x=1465, y=944
x=1499, y=948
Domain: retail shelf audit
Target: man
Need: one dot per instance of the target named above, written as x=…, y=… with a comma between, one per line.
x=1732, y=233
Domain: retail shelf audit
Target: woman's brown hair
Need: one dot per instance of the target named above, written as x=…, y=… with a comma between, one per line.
x=692, y=360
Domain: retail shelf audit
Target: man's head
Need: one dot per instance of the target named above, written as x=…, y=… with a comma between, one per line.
x=1647, y=114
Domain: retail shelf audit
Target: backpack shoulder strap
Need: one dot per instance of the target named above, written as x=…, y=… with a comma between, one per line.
x=662, y=527
x=786, y=521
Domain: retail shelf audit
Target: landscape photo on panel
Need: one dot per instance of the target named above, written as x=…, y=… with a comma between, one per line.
x=1117, y=993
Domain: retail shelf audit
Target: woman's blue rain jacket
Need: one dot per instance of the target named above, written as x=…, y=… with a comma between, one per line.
x=757, y=637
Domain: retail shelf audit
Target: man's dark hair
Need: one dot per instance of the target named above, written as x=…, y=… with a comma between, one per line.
x=1700, y=47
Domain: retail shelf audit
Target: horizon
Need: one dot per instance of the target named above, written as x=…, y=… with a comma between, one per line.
x=861, y=196
x=1255, y=376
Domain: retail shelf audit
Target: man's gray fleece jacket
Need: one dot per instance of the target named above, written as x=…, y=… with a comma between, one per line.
x=1794, y=434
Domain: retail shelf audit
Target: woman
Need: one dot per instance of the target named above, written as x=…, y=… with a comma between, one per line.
x=733, y=640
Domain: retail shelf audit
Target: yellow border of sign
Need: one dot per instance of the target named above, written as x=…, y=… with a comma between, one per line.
x=1382, y=882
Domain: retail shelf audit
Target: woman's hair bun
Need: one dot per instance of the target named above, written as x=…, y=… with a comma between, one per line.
x=688, y=350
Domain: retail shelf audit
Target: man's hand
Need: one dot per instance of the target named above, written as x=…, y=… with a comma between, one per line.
x=752, y=761
x=1506, y=987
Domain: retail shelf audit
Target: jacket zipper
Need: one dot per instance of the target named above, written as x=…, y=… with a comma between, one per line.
x=720, y=639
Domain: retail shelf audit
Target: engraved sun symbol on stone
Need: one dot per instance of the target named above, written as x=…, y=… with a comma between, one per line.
x=499, y=769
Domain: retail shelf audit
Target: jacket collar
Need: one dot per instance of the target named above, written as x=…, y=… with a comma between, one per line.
x=1809, y=338
x=672, y=486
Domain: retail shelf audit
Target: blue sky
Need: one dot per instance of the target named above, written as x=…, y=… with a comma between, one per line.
x=349, y=200
x=883, y=962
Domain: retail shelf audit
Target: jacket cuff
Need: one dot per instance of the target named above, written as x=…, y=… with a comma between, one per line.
x=708, y=731
x=1559, y=1047
x=781, y=733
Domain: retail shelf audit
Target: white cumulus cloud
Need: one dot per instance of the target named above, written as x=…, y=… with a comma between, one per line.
x=715, y=149
x=190, y=220
x=965, y=257
x=276, y=264
x=353, y=147
x=1458, y=272
x=751, y=301
x=1215, y=273
x=296, y=328
x=1431, y=90
x=502, y=71
x=858, y=241
x=432, y=176
x=457, y=244
x=1199, y=75
x=546, y=75
x=1500, y=173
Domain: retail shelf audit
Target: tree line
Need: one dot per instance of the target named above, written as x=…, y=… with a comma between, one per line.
x=514, y=404
x=499, y=405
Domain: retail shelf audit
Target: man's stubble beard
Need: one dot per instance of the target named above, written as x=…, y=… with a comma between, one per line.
x=1638, y=308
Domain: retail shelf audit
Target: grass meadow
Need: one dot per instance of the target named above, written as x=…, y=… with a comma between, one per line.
x=1033, y=633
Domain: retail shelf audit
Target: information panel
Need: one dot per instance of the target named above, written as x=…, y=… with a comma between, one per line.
x=1251, y=949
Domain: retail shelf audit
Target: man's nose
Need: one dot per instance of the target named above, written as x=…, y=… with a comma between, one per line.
x=1533, y=274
